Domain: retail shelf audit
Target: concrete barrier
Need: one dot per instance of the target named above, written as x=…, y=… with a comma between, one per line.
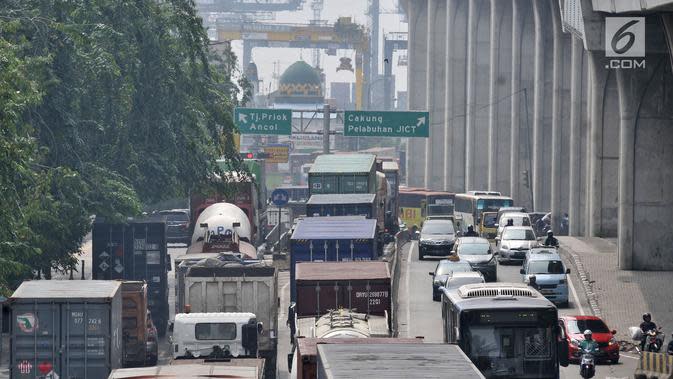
x=655, y=365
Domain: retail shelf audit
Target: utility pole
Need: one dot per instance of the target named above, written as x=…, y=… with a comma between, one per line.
x=325, y=129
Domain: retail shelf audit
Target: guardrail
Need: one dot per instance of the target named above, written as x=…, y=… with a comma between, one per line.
x=401, y=238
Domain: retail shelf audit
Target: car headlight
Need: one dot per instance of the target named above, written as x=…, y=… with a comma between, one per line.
x=613, y=341
x=424, y=241
x=504, y=247
x=575, y=343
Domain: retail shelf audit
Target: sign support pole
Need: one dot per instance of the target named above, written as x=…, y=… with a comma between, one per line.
x=279, y=225
x=325, y=129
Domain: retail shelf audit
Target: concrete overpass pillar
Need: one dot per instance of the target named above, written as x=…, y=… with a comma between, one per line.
x=574, y=189
x=456, y=73
x=517, y=26
x=436, y=90
x=597, y=81
x=416, y=79
x=541, y=23
x=629, y=104
x=497, y=8
x=471, y=108
x=556, y=117
x=429, y=89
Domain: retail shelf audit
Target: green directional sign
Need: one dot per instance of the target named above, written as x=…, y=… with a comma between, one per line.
x=386, y=124
x=263, y=121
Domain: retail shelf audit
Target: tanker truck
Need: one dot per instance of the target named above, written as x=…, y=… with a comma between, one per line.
x=223, y=227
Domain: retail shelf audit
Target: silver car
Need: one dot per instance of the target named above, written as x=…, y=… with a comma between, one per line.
x=515, y=242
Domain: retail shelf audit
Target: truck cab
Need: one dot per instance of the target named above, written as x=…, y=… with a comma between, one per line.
x=215, y=335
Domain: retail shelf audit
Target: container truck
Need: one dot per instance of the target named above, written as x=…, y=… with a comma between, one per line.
x=66, y=329
x=392, y=172
x=331, y=239
x=343, y=173
x=360, y=204
x=139, y=333
x=135, y=250
x=196, y=369
x=303, y=361
x=393, y=360
x=216, y=286
x=362, y=286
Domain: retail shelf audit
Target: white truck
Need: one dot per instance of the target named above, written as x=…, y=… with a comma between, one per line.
x=216, y=286
x=215, y=335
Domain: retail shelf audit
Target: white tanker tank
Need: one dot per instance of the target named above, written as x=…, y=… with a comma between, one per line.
x=220, y=217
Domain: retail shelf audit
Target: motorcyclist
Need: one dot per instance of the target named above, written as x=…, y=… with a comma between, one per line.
x=470, y=232
x=669, y=349
x=645, y=327
x=551, y=240
x=589, y=345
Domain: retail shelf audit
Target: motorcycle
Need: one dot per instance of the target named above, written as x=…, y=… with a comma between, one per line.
x=654, y=340
x=587, y=364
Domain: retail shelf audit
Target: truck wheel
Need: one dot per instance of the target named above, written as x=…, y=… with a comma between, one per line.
x=151, y=361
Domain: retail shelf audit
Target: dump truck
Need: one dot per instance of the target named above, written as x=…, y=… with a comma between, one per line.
x=216, y=286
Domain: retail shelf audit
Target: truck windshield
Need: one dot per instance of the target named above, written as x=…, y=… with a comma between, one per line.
x=215, y=331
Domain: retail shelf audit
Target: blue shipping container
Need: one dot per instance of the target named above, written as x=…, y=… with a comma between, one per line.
x=331, y=239
x=362, y=204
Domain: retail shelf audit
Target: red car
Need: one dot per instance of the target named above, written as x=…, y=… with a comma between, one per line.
x=573, y=328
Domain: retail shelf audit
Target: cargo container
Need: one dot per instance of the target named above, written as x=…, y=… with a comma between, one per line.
x=216, y=286
x=139, y=333
x=352, y=204
x=66, y=329
x=331, y=239
x=343, y=173
x=362, y=286
x=395, y=360
x=136, y=250
x=196, y=369
x=303, y=361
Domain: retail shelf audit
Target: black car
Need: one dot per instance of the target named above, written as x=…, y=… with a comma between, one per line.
x=436, y=238
x=177, y=225
x=444, y=269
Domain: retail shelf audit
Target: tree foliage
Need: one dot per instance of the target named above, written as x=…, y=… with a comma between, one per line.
x=105, y=105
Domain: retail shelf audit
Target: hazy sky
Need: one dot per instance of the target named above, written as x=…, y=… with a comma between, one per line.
x=333, y=9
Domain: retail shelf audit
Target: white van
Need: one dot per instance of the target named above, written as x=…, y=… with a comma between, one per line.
x=518, y=219
x=216, y=335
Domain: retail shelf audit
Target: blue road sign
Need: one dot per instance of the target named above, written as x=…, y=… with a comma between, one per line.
x=280, y=197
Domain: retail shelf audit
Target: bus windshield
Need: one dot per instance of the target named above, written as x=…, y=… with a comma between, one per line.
x=493, y=204
x=510, y=343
